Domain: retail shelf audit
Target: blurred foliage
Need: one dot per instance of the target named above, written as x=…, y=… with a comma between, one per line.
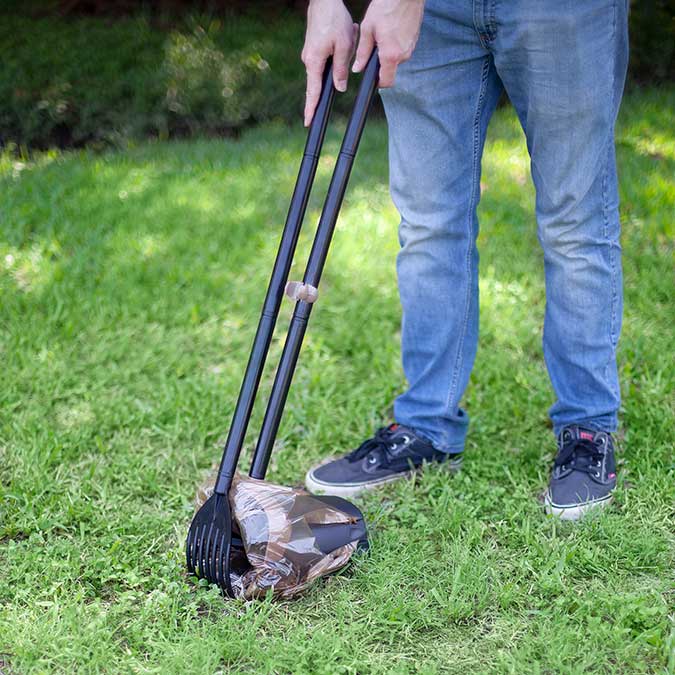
x=97, y=72
x=205, y=89
x=66, y=83
x=92, y=80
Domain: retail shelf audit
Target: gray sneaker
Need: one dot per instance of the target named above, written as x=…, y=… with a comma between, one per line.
x=584, y=473
x=394, y=452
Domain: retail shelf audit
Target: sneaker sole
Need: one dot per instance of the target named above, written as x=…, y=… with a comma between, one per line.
x=319, y=487
x=574, y=512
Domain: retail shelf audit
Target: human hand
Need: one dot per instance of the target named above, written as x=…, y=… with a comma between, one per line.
x=330, y=32
x=393, y=26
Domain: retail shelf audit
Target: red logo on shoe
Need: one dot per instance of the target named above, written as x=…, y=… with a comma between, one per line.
x=393, y=427
x=586, y=435
x=612, y=475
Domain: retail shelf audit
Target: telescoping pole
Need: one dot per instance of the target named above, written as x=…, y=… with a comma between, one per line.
x=315, y=264
x=275, y=289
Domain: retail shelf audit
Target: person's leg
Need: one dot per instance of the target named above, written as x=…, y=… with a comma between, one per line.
x=563, y=65
x=437, y=112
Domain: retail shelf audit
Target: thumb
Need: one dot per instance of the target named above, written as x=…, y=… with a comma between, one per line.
x=365, y=48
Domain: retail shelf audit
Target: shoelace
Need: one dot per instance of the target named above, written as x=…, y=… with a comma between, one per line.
x=582, y=454
x=378, y=442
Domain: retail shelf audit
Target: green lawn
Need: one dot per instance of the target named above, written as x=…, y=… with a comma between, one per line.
x=130, y=285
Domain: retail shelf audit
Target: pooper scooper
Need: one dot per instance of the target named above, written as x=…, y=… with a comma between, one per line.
x=250, y=536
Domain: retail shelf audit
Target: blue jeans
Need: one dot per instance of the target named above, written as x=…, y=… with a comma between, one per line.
x=562, y=64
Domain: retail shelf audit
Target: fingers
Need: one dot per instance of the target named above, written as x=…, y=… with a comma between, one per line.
x=388, y=67
x=341, y=56
x=365, y=48
x=314, y=57
x=388, y=62
x=314, y=67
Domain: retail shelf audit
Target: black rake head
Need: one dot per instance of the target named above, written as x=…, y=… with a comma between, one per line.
x=209, y=543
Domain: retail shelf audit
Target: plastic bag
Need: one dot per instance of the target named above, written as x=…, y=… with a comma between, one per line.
x=279, y=547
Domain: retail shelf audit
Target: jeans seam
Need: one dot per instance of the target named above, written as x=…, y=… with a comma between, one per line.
x=612, y=257
x=613, y=333
x=605, y=202
x=613, y=338
x=492, y=21
x=471, y=242
x=612, y=260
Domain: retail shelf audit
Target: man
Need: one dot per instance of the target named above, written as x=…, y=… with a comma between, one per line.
x=443, y=68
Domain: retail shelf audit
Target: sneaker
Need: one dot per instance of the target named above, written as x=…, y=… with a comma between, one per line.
x=394, y=452
x=584, y=473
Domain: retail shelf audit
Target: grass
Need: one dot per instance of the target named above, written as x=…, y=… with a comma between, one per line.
x=130, y=286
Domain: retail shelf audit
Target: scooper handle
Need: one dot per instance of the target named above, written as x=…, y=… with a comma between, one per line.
x=277, y=283
x=315, y=264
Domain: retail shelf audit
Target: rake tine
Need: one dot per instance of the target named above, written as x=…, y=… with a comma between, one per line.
x=215, y=557
x=210, y=554
x=213, y=552
x=200, y=551
x=226, y=586
x=188, y=551
x=207, y=553
x=195, y=550
x=221, y=557
x=217, y=554
x=217, y=547
x=210, y=550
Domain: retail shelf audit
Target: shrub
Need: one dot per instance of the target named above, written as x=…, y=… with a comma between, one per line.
x=95, y=81
x=75, y=82
x=207, y=90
